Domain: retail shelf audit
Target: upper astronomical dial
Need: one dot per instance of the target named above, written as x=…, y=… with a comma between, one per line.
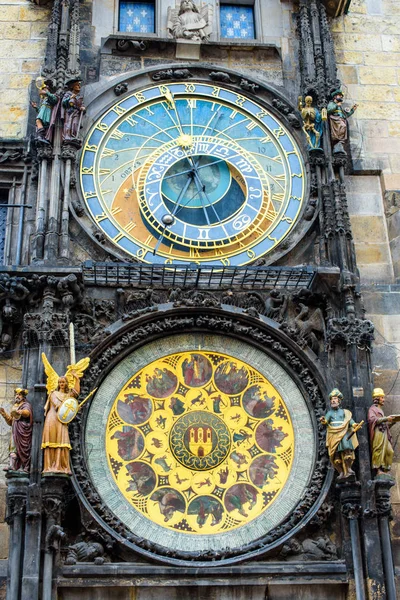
x=192, y=172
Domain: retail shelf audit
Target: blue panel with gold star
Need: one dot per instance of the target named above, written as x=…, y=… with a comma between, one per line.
x=237, y=21
x=136, y=17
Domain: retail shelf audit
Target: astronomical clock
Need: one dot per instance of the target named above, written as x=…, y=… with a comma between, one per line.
x=192, y=172
x=199, y=443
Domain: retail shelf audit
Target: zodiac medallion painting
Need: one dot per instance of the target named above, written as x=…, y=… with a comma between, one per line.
x=199, y=442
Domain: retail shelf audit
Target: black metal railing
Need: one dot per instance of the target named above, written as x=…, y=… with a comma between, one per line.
x=196, y=276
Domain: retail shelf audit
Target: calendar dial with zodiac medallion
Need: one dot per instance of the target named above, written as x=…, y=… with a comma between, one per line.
x=192, y=172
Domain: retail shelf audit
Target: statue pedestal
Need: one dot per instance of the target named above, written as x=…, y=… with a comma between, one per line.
x=188, y=49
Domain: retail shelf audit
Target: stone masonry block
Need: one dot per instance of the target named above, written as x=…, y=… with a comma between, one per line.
x=381, y=303
x=394, y=129
x=376, y=273
x=20, y=81
x=391, y=43
x=365, y=204
x=375, y=145
x=370, y=93
x=388, y=59
x=10, y=66
x=368, y=228
x=358, y=42
x=390, y=181
x=377, y=75
x=22, y=49
x=375, y=129
x=348, y=74
x=379, y=110
x=4, y=535
x=363, y=23
x=39, y=30
x=17, y=31
x=31, y=66
x=391, y=328
x=391, y=7
x=358, y=7
x=372, y=253
x=12, y=130
x=349, y=58
x=9, y=13
x=34, y=13
x=368, y=184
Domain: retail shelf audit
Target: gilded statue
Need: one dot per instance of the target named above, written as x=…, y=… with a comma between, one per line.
x=20, y=420
x=338, y=118
x=60, y=408
x=341, y=439
x=379, y=433
x=188, y=22
x=312, y=122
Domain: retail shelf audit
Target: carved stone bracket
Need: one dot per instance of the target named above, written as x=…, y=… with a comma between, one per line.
x=17, y=490
x=350, y=499
x=379, y=504
x=150, y=328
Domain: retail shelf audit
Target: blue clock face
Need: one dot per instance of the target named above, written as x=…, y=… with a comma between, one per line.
x=192, y=172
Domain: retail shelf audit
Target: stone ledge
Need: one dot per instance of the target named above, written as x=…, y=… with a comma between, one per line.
x=254, y=573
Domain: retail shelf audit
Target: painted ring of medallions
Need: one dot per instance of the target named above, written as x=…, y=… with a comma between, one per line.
x=199, y=442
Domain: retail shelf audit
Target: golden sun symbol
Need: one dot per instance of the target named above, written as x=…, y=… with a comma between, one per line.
x=185, y=140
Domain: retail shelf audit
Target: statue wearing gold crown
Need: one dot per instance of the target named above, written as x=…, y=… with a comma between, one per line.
x=61, y=407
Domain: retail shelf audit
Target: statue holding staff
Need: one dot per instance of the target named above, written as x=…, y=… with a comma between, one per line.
x=20, y=420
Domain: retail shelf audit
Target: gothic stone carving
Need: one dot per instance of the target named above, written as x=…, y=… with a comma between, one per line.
x=172, y=74
x=188, y=22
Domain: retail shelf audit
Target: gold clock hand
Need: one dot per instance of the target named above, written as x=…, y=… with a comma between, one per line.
x=184, y=140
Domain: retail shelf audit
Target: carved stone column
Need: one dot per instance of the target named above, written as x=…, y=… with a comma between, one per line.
x=17, y=488
x=383, y=510
x=350, y=499
x=54, y=488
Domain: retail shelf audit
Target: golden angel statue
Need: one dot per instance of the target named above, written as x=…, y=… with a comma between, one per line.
x=61, y=407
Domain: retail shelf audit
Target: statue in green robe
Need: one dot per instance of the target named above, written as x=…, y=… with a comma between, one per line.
x=341, y=439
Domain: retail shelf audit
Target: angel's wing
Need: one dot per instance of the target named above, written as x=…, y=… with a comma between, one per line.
x=79, y=369
x=52, y=376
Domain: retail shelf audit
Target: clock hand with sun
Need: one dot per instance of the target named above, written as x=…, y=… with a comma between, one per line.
x=184, y=140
